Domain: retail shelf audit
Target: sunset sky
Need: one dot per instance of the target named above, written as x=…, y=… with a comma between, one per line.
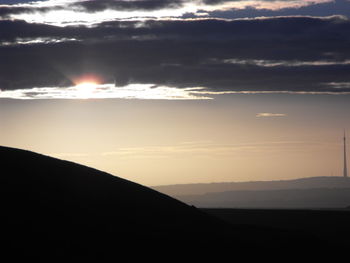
x=179, y=91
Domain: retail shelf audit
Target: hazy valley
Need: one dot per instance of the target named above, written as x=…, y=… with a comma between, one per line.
x=316, y=192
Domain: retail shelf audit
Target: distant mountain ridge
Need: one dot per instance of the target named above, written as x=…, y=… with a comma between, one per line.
x=313, y=198
x=301, y=183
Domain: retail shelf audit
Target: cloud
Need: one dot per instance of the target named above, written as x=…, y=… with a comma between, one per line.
x=15, y=2
x=69, y=155
x=106, y=91
x=18, y=41
x=269, y=115
x=285, y=8
x=100, y=5
x=286, y=63
x=212, y=149
x=339, y=85
x=270, y=55
x=89, y=12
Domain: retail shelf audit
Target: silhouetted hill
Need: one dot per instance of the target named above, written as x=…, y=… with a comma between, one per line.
x=36, y=181
x=58, y=207
x=302, y=183
x=55, y=211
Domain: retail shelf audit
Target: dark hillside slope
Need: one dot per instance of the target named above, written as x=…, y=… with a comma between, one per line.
x=67, y=191
x=53, y=207
x=58, y=210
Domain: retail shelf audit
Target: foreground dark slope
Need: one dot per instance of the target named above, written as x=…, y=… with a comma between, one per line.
x=54, y=207
x=54, y=210
x=330, y=225
x=67, y=191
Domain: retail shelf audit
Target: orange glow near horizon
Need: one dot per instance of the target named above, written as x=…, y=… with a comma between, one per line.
x=87, y=78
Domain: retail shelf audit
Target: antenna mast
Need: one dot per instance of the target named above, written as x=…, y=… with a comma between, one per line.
x=345, y=170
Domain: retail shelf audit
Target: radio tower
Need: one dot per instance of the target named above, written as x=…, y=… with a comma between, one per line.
x=345, y=171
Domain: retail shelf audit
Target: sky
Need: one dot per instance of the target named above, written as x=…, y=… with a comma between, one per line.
x=179, y=91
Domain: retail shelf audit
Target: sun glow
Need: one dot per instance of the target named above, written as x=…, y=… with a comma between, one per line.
x=86, y=90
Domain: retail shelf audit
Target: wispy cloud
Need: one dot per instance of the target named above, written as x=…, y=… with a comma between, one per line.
x=339, y=85
x=200, y=149
x=69, y=155
x=281, y=63
x=32, y=41
x=269, y=115
x=209, y=149
x=337, y=91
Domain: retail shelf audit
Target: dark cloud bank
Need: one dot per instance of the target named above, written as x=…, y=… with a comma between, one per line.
x=183, y=53
x=100, y=5
x=92, y=6
x=339, y=7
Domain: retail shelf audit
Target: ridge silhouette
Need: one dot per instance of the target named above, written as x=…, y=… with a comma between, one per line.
x=52, y=210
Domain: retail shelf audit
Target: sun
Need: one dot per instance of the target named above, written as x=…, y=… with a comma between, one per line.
x=86, y=90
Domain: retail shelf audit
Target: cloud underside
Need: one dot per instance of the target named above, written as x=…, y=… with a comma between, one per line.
x=261, y=55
